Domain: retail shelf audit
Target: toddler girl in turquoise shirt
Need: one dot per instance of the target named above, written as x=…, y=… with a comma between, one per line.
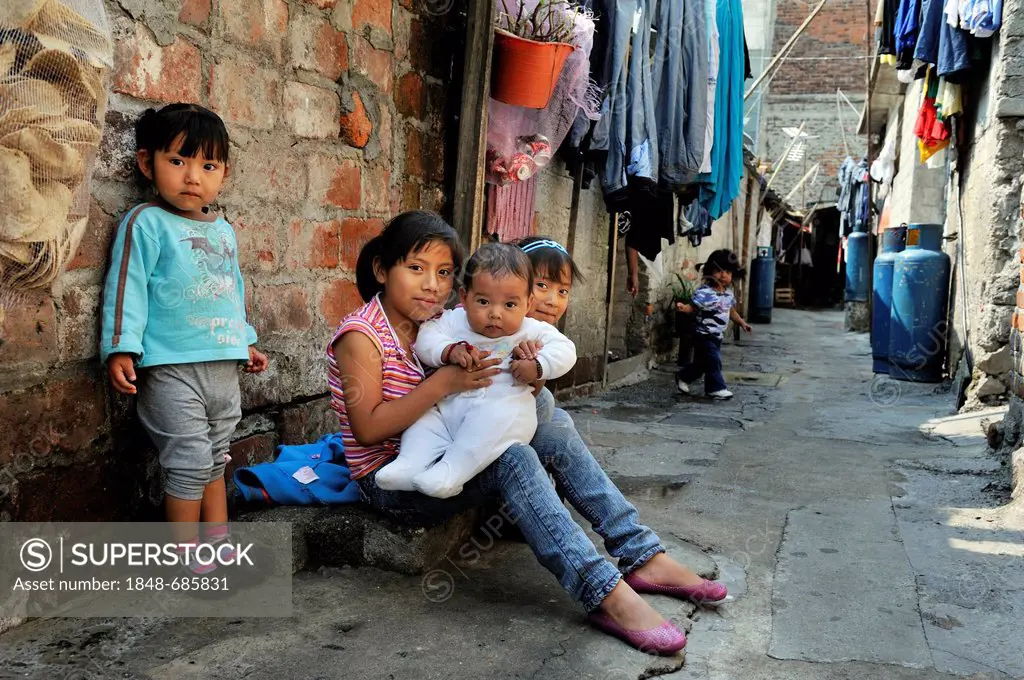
x=174, y=323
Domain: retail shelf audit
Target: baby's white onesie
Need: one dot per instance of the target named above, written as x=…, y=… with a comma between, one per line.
x=455, y=440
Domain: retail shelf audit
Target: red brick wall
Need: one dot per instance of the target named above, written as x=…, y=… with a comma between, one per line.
x=838, y=32
x=828, y=54
x=337, y=112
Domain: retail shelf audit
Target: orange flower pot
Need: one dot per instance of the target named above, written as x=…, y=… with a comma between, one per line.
x=524, y=72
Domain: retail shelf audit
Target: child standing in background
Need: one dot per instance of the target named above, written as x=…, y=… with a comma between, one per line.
x=714, y=304
x=174, y=322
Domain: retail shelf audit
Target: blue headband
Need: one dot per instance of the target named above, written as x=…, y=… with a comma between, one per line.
x=537, y=245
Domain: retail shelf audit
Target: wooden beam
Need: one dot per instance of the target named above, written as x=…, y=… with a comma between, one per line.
x=734, y=222
x=468, y=203
x=574, y=216
x=613, y=244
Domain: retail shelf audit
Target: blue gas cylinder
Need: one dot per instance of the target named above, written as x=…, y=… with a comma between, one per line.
x=894, y=240
x=920, y=292
x=857, y=266
x=762, y=285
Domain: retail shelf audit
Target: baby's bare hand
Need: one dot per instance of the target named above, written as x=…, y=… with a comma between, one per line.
x=460, y=355
x=524, y=371
x=527, y=349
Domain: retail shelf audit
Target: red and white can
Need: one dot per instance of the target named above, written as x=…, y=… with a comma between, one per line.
x=537, y=147
x=522, y=167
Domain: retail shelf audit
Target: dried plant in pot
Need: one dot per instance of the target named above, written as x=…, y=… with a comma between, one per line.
x=530, y=49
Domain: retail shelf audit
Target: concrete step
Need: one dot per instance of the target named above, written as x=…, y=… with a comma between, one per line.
x=353, y=535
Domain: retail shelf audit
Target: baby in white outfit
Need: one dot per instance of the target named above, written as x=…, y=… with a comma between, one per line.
x=464, y=433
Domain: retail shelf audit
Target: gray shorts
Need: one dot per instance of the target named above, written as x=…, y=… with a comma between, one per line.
x=190, y=412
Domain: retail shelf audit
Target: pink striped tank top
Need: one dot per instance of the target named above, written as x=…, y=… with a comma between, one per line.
x=401, y=373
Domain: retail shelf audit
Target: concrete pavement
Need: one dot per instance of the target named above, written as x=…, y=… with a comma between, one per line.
x=863, y=531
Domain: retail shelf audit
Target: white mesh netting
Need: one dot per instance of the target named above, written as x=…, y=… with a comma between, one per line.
x=521, y=141
x=54, y=55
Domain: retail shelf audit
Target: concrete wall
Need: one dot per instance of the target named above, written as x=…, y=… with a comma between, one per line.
x=585, y=319
x=340, y=113
x=918, y=191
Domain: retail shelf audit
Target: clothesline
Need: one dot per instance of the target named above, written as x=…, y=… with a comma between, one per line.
x=861, y=56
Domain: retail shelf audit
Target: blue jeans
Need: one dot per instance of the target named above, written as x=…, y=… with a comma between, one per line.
x=707, y=362
x=519, y=479
x=545, y=406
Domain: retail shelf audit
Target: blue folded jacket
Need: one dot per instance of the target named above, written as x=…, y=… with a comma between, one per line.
x=284, y=482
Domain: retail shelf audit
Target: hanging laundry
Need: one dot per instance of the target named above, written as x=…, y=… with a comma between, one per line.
x=941, y=45
x=510, y=209
x=952, y=12
x=883, y=170
x=981, y=17
x=853, y=202
x=711, y=17
x=987, y=18
x=722, y=184
x=933, y=134
x=906, y=30
x=652, y=218
x=886, y=19
x=680, y=90
x=747, y=71
x=697, y=223
x=581, y=126
x=625, y=132
x=949, y=101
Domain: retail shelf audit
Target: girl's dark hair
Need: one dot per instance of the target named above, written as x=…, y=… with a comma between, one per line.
x=723, y=260
x=405, y=235
x=202, y=131
x=548, y=261
x=499, y=259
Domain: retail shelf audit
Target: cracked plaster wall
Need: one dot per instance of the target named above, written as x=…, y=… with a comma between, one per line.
x=989, y=193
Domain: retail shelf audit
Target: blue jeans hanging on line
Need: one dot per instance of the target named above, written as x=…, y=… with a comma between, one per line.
x=707, y=362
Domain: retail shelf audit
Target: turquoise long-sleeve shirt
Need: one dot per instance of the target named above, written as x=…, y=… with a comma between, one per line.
x=174, y=293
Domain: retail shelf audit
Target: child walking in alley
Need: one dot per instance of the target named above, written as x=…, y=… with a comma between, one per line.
x=174, y=323
x=714, y=304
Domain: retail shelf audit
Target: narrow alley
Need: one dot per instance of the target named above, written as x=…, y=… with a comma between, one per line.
x=863, y=532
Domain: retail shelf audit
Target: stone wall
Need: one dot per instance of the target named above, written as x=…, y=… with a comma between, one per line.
x=991, y=187
x=338, y=113
x=981, y=211
x=1008, y=85
x=991, y=221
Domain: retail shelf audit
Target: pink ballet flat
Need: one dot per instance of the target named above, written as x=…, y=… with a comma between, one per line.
x=664, y=640
x=707, y=593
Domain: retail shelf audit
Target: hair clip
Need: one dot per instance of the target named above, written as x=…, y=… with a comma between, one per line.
x=545, y=243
